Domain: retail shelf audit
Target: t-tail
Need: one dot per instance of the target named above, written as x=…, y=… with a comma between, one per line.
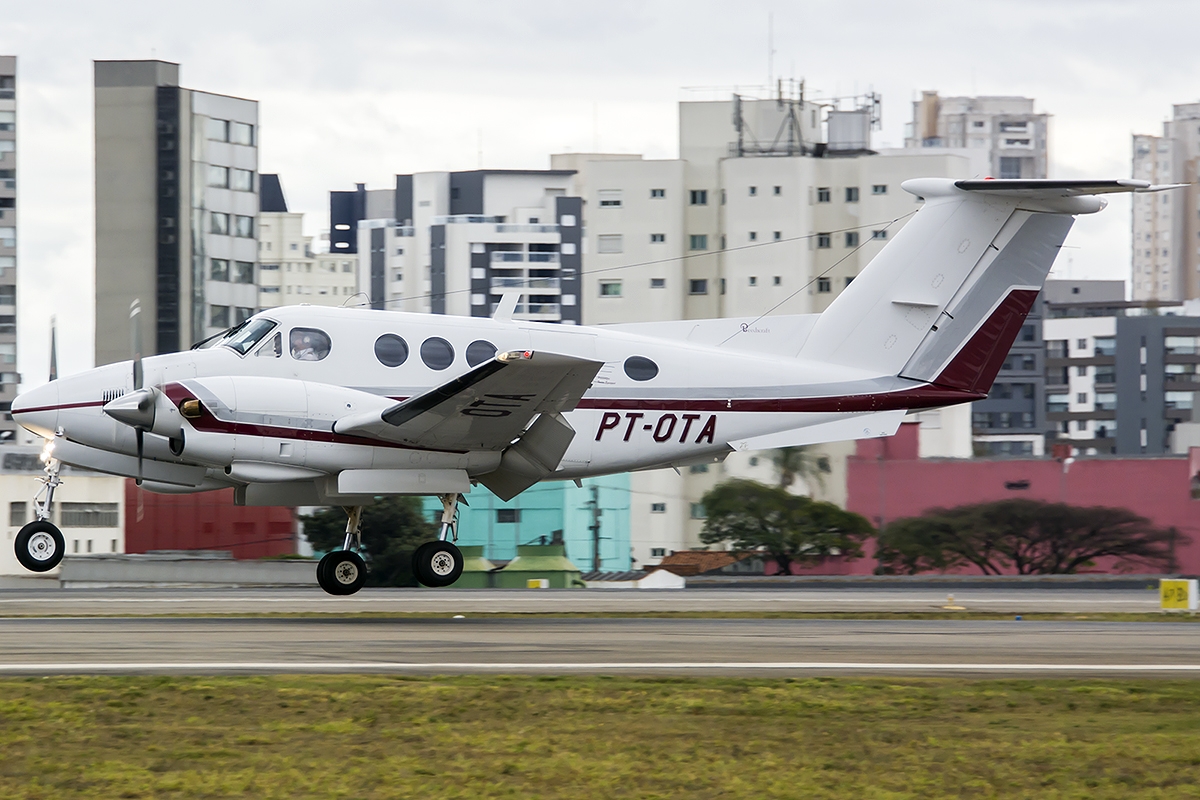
x=944, y=301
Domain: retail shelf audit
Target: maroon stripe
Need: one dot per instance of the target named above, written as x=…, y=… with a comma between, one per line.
x=920, y=397
x=57, y=408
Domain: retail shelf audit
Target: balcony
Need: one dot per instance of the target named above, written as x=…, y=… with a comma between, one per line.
x=466, y=219
x=517, y=257
x=548, y=312
x=513, y=228
x=526, y=283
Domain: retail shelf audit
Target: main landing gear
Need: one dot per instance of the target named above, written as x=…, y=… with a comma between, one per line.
x=438, y=563
x=40, y=545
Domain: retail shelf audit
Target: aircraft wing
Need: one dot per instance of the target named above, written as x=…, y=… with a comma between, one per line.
x=484, y=409
x=1041, y=187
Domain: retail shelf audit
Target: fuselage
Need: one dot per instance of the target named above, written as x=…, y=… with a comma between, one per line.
x=655, y=402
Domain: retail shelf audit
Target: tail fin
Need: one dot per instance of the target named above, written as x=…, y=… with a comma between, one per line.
x=944, y=300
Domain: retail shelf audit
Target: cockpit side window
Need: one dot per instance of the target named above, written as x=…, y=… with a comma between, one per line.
x=308, y=344
x=243, y=341
x=272, y=348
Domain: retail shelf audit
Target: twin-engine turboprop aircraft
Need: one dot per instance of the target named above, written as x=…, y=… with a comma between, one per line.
x=335, y=406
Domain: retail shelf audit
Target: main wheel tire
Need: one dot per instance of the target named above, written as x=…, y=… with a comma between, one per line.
x=40, y=546
x=345, y=572
x=437, y=564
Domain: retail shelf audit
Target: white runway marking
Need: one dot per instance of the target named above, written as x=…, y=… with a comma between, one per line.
x=600, y=666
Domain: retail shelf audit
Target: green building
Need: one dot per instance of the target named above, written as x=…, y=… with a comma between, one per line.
x=533, y=516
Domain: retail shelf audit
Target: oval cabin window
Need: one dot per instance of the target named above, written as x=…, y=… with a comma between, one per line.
x=308, y=344
x=437, y=353
x=479, y=352
x=640, y=368
x=391, y=350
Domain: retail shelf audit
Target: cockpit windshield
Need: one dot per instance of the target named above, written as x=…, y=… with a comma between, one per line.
x=243, y=341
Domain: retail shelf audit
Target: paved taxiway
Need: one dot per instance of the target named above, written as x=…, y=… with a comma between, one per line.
x=1070, y=598
x=592, y=645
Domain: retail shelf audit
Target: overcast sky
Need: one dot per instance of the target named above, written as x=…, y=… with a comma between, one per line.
x=359, y=91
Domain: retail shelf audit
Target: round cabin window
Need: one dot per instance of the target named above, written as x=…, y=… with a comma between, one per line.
x=479, y=352
x=391, y=350
x=640, y=368
x=437, y=353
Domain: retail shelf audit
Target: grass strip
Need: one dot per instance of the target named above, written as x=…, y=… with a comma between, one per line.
x=595, y=737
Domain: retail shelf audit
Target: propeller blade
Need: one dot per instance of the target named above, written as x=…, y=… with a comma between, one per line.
x=135, y=340
x=140, y=440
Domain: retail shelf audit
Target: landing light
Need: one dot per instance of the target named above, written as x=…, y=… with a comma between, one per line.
x=47, y=452
x=190, y=409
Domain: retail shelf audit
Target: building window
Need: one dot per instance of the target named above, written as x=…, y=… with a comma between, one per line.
x=778, y=190
x=851, y=238
x=753, y=191
x=241, y=133
x=220, y=223
x=824, y=241
x=851, y=194
x=1105, y=346
x=878, y=234
x=778, y=235
x=657, y=193
x=753, y=236
x=243, y=272
x=508, y=516
x=698, y=511
x=698, y=286
x=1081, y=397
x=1010, y=167
x=658, y=552
x=753, y=280
x=218, y=177
x=824, y=285
x=219, y=269
x=697, y=469
x=879, y=188
x=16, y=513
x=609, y=243
x=241, y=314
x=218, y=316
x=698, y=241
x=243, y=181
x=657, y=238
x=699, y=197
x=823, y=194
x=610, y=288
x=243, y=226
x=218, y=130
x=609, y=198
x=658, y=283
x=89, y=515
x=777, y=281
x=655, y=508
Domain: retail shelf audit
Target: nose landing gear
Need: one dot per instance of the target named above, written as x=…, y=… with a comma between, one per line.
x=40, y=545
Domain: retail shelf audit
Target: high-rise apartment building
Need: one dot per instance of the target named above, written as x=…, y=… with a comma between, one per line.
x=1166, y=225
x=1004, y=136
x=289, y=272
x=176, y=200
x=9, y=378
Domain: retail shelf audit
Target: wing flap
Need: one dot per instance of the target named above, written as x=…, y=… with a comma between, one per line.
x=484, y=409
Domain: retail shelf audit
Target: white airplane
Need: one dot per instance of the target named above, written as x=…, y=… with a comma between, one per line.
x=334, y=406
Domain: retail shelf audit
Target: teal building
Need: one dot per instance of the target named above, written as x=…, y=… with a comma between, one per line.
x=540, y=511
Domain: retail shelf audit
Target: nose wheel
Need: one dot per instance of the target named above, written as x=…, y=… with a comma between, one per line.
x=40, y=546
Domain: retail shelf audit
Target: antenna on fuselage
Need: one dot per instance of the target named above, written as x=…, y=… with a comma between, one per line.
x=507, y=305
x=53, y=348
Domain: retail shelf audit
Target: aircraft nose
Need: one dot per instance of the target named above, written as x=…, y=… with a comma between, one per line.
x=37, y=409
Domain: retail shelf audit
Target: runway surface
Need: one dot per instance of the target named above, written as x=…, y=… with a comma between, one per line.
x=871, y=598
x=651, y=646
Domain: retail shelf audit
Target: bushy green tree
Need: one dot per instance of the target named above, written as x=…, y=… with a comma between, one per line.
x=790, y=528
x=1027, y=537
x=392, y=528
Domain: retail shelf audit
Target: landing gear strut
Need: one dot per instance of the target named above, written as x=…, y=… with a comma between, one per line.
x=440, y=563
x=343, y=572
x=40, y=545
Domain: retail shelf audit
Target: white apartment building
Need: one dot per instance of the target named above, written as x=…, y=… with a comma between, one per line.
x=1166, y=225
x=1084, y=389
x=9, y=377
x=290, y=272
x=1003, y=136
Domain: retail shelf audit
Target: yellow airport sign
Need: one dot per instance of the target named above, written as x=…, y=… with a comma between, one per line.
x=1179, y=594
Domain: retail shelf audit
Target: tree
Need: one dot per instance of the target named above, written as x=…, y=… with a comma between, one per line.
x=392, y=527
x=791, y=528
x=800, y=462
x=1028, y=537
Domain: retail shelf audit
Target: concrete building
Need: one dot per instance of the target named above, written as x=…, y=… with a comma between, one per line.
x=1166, y=225
x=9, y=377
x=454, y=242
x=289, y=272
x=89, y=507
x=176, y=200
x=1004, y=136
